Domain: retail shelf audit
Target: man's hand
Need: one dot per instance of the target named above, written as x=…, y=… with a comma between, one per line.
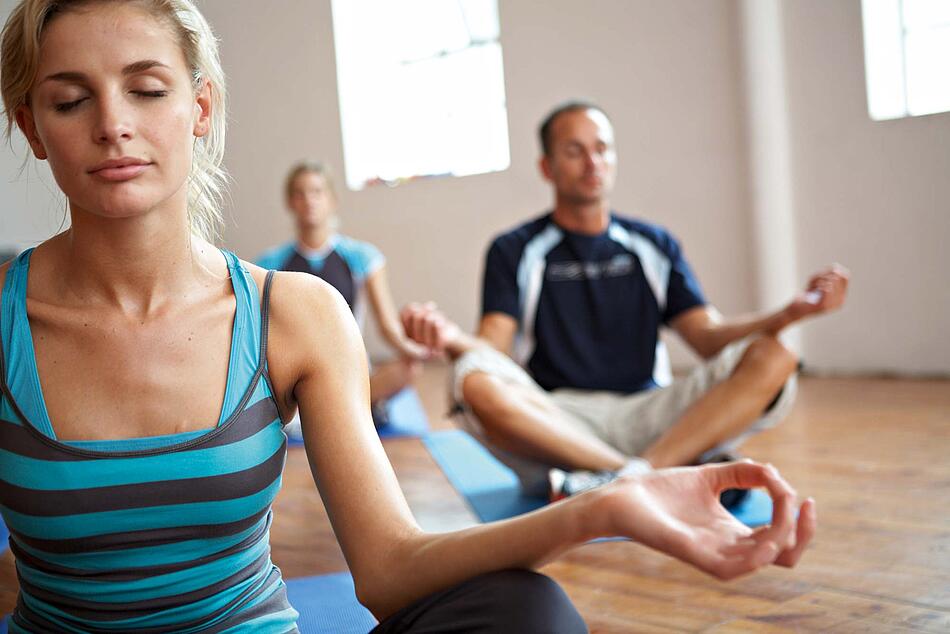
x=427, y=325
x=677, y=511
x=825, y=292
x=411, y=351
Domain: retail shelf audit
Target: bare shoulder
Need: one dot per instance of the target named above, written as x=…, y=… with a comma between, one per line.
x=298, y=294
x=310, y=326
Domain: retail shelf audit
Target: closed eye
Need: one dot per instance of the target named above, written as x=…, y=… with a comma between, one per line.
x=150, y=93
x=66, y=106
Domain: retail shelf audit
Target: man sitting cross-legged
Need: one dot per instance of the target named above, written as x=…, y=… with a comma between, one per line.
x=578, y=296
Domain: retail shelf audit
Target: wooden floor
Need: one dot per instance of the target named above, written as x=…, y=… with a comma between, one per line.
x=874, y=453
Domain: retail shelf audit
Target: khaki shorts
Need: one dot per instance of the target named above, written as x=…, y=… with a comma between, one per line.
x=629, y=423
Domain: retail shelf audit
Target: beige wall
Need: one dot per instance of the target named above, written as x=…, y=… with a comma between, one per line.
x=874, y=195
x=31, y=208
x=668, y=73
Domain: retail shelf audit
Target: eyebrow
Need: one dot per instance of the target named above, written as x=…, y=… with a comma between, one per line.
x=132, y=69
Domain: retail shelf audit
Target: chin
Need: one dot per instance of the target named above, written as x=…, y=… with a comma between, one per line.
x=588, y=199
x=118, y=207
x=128, y=206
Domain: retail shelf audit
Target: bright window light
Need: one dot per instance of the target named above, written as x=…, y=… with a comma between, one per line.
x=421, y=89
x=907, y=57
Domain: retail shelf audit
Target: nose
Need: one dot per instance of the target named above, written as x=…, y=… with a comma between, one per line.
x=593, y=159
x=114, y=121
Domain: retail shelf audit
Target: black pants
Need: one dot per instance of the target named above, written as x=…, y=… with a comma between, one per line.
x=498, y=602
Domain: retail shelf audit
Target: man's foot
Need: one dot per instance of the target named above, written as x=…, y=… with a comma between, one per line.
x=731, y=498
x=562, y=484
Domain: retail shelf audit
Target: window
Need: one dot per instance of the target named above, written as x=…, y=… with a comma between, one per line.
x=907, y=57
x=421, y=89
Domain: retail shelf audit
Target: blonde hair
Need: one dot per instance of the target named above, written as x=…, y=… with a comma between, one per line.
x=207, y=181
x=308, y=167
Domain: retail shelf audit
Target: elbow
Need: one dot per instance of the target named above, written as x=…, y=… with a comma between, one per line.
x=371, y=599
x=380, y=579
x=382, y=599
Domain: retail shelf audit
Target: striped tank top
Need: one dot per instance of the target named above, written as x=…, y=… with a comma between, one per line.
x=156, y=534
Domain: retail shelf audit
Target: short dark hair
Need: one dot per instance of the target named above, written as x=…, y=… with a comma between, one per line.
x=544, y=132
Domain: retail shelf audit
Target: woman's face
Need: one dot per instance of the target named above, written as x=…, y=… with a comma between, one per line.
x=114, y=111
x=311, y=200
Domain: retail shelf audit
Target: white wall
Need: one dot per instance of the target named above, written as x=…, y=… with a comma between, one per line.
x=874, y=195
x=667, y=72
x=31, y=208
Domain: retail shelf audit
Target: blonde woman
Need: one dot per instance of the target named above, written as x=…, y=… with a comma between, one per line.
x=146, y=375
x=356, y=269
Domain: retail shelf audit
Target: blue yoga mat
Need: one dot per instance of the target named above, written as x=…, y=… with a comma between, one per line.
x=491, y=488
x=405, y=416
x=327, y=605
x=493, y=491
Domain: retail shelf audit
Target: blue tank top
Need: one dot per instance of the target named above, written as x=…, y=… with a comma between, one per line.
x=157, y=534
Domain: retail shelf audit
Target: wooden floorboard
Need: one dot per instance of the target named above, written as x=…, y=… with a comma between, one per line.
x=875, y=453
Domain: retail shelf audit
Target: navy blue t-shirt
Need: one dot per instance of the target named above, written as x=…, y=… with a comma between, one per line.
x=589, y=308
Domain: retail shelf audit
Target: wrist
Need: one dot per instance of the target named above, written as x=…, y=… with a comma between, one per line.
x=395, y=338
x=781, y=320
x=595, y=511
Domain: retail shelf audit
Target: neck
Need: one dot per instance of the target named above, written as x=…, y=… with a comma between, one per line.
x=136, y=264
x=314, y=238
x=590, y=218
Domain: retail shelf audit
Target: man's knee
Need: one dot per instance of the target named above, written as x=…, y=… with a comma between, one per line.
x=769, y=361
x=485, y=394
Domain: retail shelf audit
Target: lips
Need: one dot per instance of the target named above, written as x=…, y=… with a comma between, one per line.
x=121, y=169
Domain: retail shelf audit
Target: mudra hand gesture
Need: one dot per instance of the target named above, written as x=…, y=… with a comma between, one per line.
x=677, y=511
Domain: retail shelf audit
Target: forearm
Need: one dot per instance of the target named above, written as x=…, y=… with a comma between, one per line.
x=393, y=334
x=717, y=336
x=463, y=342
x=426, y=563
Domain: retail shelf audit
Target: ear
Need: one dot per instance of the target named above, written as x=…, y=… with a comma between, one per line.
x=203, y=109
x=544, y=164
x=24, y=121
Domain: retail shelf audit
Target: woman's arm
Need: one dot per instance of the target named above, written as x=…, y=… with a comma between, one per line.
x=394, y=562
x=429, y=326
x=387, y=317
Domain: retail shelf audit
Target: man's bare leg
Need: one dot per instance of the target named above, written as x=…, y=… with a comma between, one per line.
x=525, y=422
x=727, y=408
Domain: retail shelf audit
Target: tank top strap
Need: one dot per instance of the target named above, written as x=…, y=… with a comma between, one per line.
x=19, y=362
x=249, y=339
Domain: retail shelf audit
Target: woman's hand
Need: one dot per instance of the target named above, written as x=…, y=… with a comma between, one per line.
x=677, y=511
x=410, y=351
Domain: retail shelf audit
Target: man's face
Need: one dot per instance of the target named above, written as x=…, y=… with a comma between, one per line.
x=311, y=200
x=582, y=163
